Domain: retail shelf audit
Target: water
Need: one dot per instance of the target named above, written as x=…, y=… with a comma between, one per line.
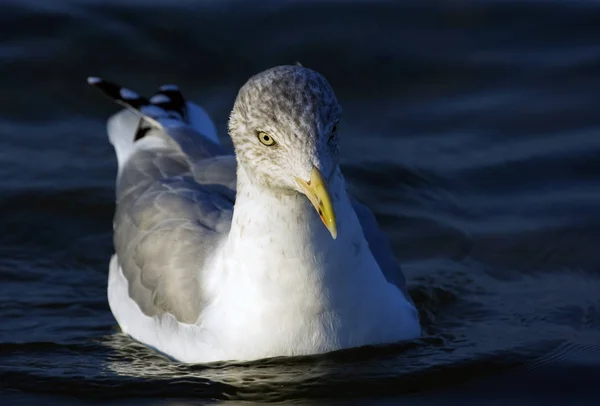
x=471, y=128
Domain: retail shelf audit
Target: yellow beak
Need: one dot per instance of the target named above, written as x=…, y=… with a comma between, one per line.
x=316, y=191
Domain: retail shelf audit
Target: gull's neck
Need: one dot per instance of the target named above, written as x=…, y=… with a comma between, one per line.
x=269, y=223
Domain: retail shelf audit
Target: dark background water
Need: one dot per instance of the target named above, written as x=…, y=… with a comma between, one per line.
x=470, y=127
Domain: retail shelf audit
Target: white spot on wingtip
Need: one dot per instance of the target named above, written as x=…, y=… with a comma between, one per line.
x=93, y=80
x=160, y=98
x=128, y=94
x=166, y=88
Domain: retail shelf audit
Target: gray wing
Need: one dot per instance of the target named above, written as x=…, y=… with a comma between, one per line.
x=380, y=247
x=167, y=225
x=175, y=197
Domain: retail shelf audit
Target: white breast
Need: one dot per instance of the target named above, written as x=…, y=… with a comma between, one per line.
x=287, y=288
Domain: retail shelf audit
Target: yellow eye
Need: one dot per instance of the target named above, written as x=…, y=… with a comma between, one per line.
x=265, y=138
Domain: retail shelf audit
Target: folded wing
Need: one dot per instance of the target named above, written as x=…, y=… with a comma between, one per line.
x=175, y=197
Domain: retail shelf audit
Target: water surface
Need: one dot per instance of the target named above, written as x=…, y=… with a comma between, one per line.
x=470, y=128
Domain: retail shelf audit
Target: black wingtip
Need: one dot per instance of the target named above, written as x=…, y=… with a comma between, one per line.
x=171, y=100
x=167, y=102
x=120, y=94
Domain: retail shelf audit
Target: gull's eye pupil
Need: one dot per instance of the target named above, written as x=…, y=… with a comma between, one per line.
x=265, y=138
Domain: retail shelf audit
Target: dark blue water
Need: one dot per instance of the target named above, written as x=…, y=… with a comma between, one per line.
x=472, y=128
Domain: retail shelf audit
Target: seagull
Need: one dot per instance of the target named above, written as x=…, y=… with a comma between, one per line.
x=253, y=253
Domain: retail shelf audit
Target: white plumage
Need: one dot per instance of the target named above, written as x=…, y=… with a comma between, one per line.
x=215, y=262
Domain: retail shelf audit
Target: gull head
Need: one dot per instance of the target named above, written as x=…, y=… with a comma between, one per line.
x=284, y=130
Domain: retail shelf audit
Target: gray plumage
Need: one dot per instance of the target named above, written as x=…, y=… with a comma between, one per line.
x=170, y=216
